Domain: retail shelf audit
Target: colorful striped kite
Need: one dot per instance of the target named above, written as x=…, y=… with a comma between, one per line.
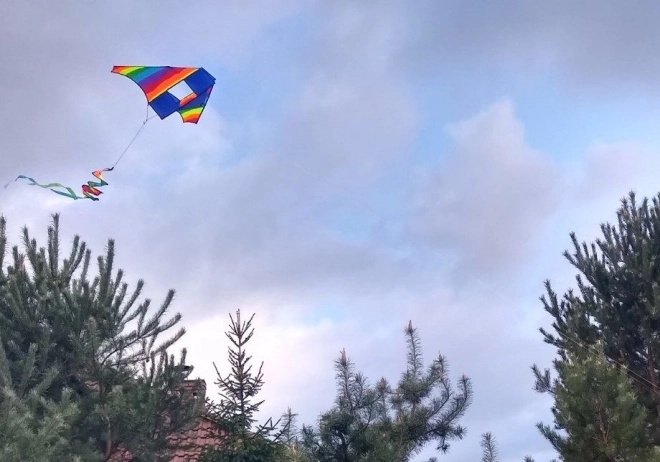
x=156, y=82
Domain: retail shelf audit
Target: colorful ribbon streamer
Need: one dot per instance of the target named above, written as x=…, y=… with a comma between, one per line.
x=90, y=190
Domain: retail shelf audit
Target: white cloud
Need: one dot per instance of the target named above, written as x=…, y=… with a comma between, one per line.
x=491, y=196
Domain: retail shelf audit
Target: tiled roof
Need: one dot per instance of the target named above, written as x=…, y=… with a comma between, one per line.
x=187, y=446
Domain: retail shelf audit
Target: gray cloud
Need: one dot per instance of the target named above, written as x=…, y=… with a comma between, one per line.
x=488, y=200
x=591, y=44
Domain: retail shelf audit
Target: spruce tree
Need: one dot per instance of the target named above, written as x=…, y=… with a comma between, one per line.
x=96, y=346
x=246, y=441
x=617, y=307
x=375, y=423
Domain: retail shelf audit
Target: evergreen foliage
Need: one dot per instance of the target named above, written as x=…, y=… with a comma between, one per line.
x=81, y=359
x=614, y=316
x=599, y=412
x=376, y=423
x=246, y=441
x=33, y=428
x=293, y=451
x=489, y=447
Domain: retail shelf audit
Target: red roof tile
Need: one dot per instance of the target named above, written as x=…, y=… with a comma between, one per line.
x=187, y=446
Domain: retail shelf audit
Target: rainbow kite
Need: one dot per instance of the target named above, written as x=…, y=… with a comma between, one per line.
x=156, y=83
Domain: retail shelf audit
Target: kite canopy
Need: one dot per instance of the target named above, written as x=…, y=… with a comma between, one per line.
x=156, y=81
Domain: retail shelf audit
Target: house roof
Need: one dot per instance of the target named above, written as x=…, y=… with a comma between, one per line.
x=187, y=446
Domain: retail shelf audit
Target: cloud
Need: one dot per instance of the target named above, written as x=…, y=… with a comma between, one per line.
x=610, y=169
x=488, y=200
x=593, y=48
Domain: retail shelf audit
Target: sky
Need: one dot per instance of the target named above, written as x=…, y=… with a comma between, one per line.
x=359, y=165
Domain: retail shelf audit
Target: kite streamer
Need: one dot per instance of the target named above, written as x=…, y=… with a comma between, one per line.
x=90, y=190
x=156, y=83
x=70, y=192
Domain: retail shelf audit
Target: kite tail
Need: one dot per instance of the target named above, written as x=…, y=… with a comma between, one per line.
x=69, y=192
x=90, y=190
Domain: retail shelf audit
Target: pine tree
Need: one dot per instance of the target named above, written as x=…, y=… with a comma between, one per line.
x=246, y=441
x=489, y=447
x=375, y=423
x=33, y=428
x=617, y=306
x=596, y=409
x=599, y=412
x=93, y=343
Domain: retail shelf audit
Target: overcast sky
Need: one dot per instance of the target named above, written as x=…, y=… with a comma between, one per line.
x=359, y=165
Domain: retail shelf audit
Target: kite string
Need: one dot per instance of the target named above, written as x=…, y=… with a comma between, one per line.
x=144, y=123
